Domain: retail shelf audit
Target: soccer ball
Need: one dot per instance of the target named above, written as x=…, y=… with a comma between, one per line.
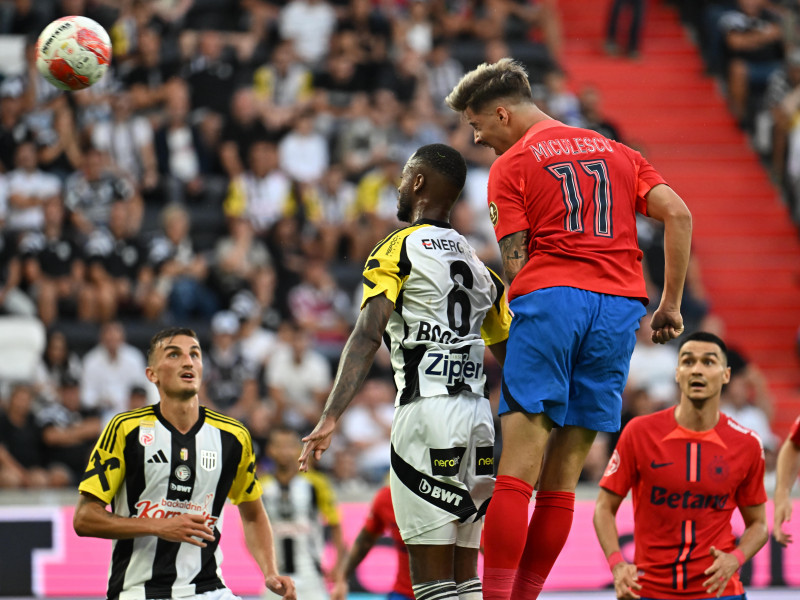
x=73, y=52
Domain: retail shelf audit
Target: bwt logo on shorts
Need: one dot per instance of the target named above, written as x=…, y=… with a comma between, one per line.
x=434, y=491
x=446, y=461
x=484, y=460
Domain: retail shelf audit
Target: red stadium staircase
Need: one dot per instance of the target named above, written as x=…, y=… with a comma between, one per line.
x=747, y=249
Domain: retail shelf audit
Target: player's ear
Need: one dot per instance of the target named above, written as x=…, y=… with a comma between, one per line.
x=502, y=115
x=151, y=375
x=726, y=378
x=419, y=182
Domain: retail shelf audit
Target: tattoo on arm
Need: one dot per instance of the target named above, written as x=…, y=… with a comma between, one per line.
x=514, y=252
x=358, y=354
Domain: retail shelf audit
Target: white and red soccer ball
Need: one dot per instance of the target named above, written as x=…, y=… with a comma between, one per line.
x=73, y=52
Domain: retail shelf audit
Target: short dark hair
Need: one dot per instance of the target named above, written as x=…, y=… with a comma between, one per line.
x=506, y=78
x=704, y=336
x=444, y=160
x=164, y=334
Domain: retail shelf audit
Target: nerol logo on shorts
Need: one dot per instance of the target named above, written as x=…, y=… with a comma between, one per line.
x=484, y=460
x=446, y=461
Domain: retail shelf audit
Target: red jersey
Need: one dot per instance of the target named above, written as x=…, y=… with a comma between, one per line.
x=576, y=193
x=381, y=518
x=794, y=434
x=685, y=487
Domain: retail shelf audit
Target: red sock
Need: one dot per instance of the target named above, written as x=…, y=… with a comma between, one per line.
x=547, y=534
x=504, y=535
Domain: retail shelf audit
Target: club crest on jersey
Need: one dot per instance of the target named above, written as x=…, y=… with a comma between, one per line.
x=182, y=472
x=147, y=433
x=493, y=213
x=184, y=454
x=718, y=470
x=208, y=459
x=613, y=464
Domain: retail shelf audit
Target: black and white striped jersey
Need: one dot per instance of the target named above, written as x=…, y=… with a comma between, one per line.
x=447, y=307
x=144, y=467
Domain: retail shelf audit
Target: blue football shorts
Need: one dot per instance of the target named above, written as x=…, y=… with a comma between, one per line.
x=568, y=356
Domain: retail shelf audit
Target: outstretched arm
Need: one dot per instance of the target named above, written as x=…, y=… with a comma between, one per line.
x=664, y=205
x=786, y=472
x=514, y=253
x=354, y=365
x=358, y=552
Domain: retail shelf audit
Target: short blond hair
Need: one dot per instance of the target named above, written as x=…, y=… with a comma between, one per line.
x=506, y=78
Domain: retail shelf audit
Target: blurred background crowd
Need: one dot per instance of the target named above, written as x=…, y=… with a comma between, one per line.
x=235, y=167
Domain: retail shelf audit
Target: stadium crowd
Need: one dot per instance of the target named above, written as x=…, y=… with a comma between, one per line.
x=231, y=173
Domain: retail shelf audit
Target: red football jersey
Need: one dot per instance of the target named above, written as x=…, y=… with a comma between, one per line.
x=685, y=487
x=577, y=193
x=380, y=519
x=794, y=434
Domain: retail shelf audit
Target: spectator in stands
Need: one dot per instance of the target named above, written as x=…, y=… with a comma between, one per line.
x=138, y=397
x=562, y=104
x=653, y=367
x=464, y=220
x=59, y=149
x=257, y=343
x=592, y=114
x=12, y=299
x=357, y=143
x=176, y=274
x=229, y=376
x=90, y=192
x=413, y=131
x=114, y=258
x=747, y=401
x=242, y=129
x=211, y=72
x=298, y=379
x=22, y=17
x=309, y=24
x=28, y=189
x=282, y=86
x=185, y=161
x=754, y=45
x=128, y=141
x=321, y=308
x=414, y=28
x=367, y=426
x=263, y=194
x=264, y=284
x=303, y=141
x=520, y=20
x=237, y=257
x=335, y=197
x=149, y=72
x=110, y=369
x=13, y=129
x=54, y=269
x=58, y=363
x=633, y=43
x=22, y=463
x=773, y=121
x=69, y=430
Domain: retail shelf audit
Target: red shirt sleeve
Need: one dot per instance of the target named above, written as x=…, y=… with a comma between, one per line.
x=752, y=492
x=646, y=179
x=506, y=200
x=794, y=434
x=376, y=522
x=621, y=473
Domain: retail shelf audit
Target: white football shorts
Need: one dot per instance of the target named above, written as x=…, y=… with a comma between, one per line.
x=442, y=468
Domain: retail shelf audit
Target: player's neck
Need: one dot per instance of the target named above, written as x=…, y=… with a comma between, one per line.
x=284, y=476
x=182, y=414
x=527, y=117
x=429, y=212
x=696, y=416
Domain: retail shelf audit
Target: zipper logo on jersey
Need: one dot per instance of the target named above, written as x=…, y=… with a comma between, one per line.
x=158, y=457
x=453, y=367
x=208, y=459
x=182, y=472
x=147, y=433
x=434, y=491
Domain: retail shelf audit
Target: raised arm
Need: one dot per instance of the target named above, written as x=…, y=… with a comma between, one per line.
x=354, y=365
x=664, y=205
